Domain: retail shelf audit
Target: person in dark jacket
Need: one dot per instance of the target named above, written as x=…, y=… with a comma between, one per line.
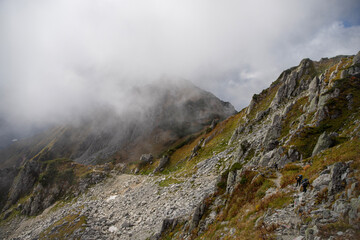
x=298, y=180
x=305, y=183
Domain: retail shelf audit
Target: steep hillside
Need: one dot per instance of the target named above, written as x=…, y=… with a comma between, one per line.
x=236, y=179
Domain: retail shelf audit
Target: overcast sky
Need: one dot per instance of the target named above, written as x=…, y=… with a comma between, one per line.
x=59, y=57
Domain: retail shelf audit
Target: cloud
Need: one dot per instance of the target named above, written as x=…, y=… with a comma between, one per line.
x=59, y=58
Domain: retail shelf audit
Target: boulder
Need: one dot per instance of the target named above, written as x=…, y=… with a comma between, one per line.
x=265, y=159
x=337, y=183
x=146, y=158
x=163, y=161
x=321, y=182
x=325, y=141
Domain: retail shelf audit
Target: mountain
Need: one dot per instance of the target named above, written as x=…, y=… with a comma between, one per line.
x=235, y=180
x=156, y=117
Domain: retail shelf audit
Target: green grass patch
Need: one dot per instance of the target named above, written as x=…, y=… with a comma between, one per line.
x=63, y=228
x=169, y=181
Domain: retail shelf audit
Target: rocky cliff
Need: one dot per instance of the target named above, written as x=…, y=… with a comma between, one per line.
x=237, y=179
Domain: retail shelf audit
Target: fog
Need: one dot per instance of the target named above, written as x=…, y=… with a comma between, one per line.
x=59, y=59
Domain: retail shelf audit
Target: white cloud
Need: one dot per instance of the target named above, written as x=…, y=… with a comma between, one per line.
x=61, y=57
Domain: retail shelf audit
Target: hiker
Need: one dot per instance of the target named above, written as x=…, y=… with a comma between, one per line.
x=298, y=180
x=305, y=183
x=276, y=166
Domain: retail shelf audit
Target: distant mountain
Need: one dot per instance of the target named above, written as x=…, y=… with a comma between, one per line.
x=157, y=116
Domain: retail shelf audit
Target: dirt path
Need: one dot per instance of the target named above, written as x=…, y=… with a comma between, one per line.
x=277, y=180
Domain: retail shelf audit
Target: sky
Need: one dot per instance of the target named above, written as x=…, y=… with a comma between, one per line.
x=61, y=57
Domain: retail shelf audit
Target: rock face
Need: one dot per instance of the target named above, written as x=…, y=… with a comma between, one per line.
x=24, y=182
x=325, y=141
x=337, y=176
x=7, y=176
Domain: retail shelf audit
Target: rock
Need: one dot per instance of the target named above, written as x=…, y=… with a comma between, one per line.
x=337, y=184
x=163, y=161
x=325, y=141
x=273, y=133
x=350, y=99
x=354, y=214
x=168, y=224
x=265, y=159
x=310, y=233
x=260, y=115
x=341, y=207
x=126, y=224
x=321, y=182
x=24, y=182
x=356, y=59
x=231, y=180
x=196, y=149
x=146, y=158
x=113, y=229
x=7, y=176
x=252, y=104
x=7, y=214
x=199, y=212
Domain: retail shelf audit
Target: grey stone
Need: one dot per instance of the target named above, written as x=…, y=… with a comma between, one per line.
x=356, y=59
x=354, y=214
x=337, y=184
x=199, y=212
x=163, y=162
x=146, y=158
x=321, y=182
x=325, y=141
x=231, y=180
x=341, y=207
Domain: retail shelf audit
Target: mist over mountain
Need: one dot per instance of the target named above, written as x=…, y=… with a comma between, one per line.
x=154, y=117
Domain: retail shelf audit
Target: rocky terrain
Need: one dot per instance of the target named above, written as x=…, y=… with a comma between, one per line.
x=122, y=206
x=235, y=179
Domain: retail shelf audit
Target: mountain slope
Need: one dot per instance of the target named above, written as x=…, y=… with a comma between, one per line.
x=222, y=184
